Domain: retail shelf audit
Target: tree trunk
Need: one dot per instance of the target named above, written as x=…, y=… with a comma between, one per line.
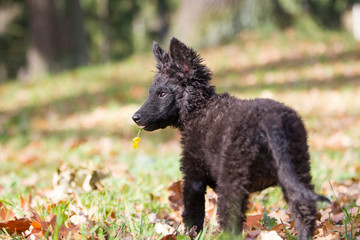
x=164, y=18
x=103, y=13
x=44, y=42
x=75, y=39
x=209, y=22
x=204, y=22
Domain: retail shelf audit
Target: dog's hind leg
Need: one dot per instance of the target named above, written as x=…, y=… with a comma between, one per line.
x=232, y=206
x=304, y=215
x=298, y=192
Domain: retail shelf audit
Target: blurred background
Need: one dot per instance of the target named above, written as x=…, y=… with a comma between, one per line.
x=73, y=72
x=38, y=36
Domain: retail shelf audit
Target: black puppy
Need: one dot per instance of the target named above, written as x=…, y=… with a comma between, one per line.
x=232, y=145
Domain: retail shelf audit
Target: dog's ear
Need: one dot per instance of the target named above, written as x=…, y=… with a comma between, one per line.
x=161, y=56
x=189, y=62
x=183, y=56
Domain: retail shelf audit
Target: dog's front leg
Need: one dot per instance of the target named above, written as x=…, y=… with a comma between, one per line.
x=194, y=202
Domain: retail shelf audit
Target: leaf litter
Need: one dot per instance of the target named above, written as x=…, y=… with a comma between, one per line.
x=335, y=221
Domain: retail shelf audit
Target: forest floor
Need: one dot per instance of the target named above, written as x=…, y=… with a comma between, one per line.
x=68, y=169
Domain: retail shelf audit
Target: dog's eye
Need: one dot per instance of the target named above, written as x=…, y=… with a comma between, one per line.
x=162, y=94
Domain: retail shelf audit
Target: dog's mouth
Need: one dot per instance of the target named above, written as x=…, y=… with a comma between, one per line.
x=143, y=127
x=149, y=127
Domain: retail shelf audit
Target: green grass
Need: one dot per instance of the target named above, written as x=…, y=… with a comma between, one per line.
x=84, y=116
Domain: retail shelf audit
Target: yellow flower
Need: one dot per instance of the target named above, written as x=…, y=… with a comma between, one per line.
x=137, y=139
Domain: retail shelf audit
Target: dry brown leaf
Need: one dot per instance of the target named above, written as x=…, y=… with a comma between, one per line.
x=192, y=232
x=36, y=229
x=163, y=228
x=43, y=224
x=253, y=234
x=30, y=154
x=280, y=215
x=25, y=203
x=16, y=226
x=71, y=231
x=255, y=208
x=28, y=159
x=354, y=211
x=169, y=237
x=335, y=207
x=176, y=197
x=333, y=228
x=252, y=221
x=5, y=213
x=36, y=225
x=271, y=235
x=79, y=219
x=127, y=236
x=73, y=143
x=337, y=218
x=277, y=227
x=210, y=206
x=330, y=236
x=40, y=227
x=338, y=141
x=325, y=213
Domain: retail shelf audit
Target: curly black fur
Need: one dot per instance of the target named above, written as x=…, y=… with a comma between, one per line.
x=232, y=145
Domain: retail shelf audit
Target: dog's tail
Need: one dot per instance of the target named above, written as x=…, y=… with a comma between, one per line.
x=296, y=190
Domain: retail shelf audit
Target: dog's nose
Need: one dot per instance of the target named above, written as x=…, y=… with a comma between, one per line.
x=136, y=117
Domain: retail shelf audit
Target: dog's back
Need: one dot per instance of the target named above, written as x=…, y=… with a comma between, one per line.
x=229, y=125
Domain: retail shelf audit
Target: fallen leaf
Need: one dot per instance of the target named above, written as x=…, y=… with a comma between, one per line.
x=36, y=230
x=5, y=213
x=39, y=221
x=331, y=236
x=73, y=143
x=35, y=224
x=163, y=228
x=40, y=227
x=169, y=237
x=127, y=237
x=335, y=207
x=280, y=215
x=210, y=207
x=25, y=203
x=192, y=232
x=271, y=235
x=332, y=228
x=176, y=197
x=253, y=234
x=253, y=221
x=277, y=227
x=70, y=231
x=255, y=207
x=16, y=226
x=337, y=218
x=78, y=219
